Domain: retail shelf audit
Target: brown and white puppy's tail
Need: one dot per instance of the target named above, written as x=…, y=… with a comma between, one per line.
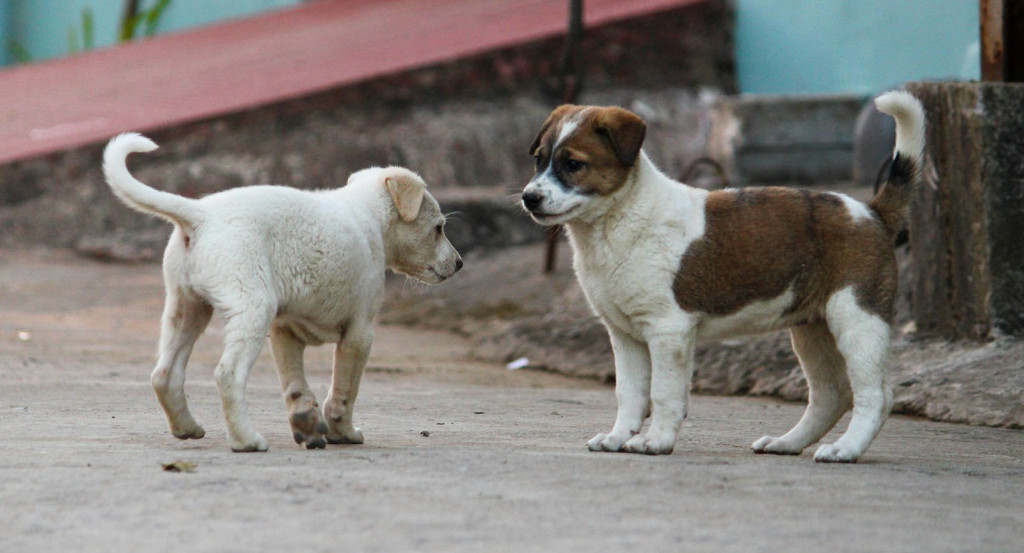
x=177, y=209
x=893, y=199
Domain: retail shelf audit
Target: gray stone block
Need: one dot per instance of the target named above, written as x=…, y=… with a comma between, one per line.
x=785, y=139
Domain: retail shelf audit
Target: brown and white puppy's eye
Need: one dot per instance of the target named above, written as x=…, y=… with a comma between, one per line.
x=573, y=165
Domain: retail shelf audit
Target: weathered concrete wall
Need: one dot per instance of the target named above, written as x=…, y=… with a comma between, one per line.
x=465, y=124
x=785, y=139
x=472, y=153
x=966, y=223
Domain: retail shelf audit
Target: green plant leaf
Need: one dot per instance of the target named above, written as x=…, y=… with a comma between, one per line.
x=128, y=26
x=19, y=52
x=153, y=16
x=88, y=35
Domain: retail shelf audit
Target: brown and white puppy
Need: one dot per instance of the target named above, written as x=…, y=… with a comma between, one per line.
x=666, y=265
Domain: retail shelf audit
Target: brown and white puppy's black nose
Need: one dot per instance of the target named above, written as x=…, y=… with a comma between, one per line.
x=532, y=200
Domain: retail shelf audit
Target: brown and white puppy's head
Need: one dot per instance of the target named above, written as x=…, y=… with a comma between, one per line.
x=583, y=154
x=415, y=243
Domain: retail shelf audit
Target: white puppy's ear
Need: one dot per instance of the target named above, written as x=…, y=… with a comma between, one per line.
x=407, y=193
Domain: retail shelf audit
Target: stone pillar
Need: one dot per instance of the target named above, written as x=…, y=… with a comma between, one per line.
x=967, y=222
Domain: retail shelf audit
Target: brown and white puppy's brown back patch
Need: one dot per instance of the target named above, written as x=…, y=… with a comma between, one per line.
x=760, y=242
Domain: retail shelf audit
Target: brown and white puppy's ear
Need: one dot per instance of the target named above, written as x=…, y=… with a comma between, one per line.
x=556, y=115
x=407, y=192
x=623, y=131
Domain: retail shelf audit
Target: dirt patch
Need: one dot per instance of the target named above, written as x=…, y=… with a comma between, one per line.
x=461, y=455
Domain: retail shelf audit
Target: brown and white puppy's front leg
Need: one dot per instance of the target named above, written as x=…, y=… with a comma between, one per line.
x=308, y=428
x=671, y=372
x=350, y=356
x=632, y=391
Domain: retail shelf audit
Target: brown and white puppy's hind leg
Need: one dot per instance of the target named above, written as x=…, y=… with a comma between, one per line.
x=864, y=339
x=828, y=390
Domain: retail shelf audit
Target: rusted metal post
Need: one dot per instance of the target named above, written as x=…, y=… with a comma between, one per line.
x=570, y=80
x=1002, y=40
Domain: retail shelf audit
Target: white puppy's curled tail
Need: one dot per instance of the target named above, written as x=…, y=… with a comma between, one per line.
x=177, y=209
x=893, y=199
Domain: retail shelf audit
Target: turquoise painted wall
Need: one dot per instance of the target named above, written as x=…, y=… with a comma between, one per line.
x=41, y=27
x=4, y=55
x=782, y=46
x=853, y=46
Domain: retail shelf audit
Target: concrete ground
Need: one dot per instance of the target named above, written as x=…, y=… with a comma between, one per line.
x=459, y=456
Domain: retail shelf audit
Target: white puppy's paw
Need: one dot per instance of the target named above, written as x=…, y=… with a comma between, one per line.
x=832, y=453
x=188, y=431
x=650, y=445
x=254, y=442
x=771, y=444
x=350, y=436
x=607, y=442
x=308, y=428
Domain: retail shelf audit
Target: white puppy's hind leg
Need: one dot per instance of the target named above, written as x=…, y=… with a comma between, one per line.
x=184, y=319
x=864, y=340
x=308, y=427
x=632, y=392
x=828, y=395
x=244, y=334
x=350, y=356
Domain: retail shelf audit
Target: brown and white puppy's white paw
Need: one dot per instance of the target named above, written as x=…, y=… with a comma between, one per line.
x=778, y=446
x=832, y=453
x=647, y=444
x=609, y=441
x=665, y=265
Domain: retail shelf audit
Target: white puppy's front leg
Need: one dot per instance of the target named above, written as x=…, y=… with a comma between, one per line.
x=350, y=358
x=632, y=391
x=671, y=371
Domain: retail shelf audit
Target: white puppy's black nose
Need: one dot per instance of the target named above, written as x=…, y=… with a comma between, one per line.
x=532, y=200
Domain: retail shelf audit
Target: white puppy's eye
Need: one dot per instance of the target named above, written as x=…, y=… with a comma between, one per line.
x=438, y=229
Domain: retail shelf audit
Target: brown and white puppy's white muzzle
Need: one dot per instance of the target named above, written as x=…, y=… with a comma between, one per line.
x=581, y=153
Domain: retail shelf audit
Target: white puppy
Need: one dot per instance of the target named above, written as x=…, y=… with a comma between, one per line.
x=665, y=265
x=304, y=267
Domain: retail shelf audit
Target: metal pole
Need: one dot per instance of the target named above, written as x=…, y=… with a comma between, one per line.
x=1002, y=40
x=570, y=79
